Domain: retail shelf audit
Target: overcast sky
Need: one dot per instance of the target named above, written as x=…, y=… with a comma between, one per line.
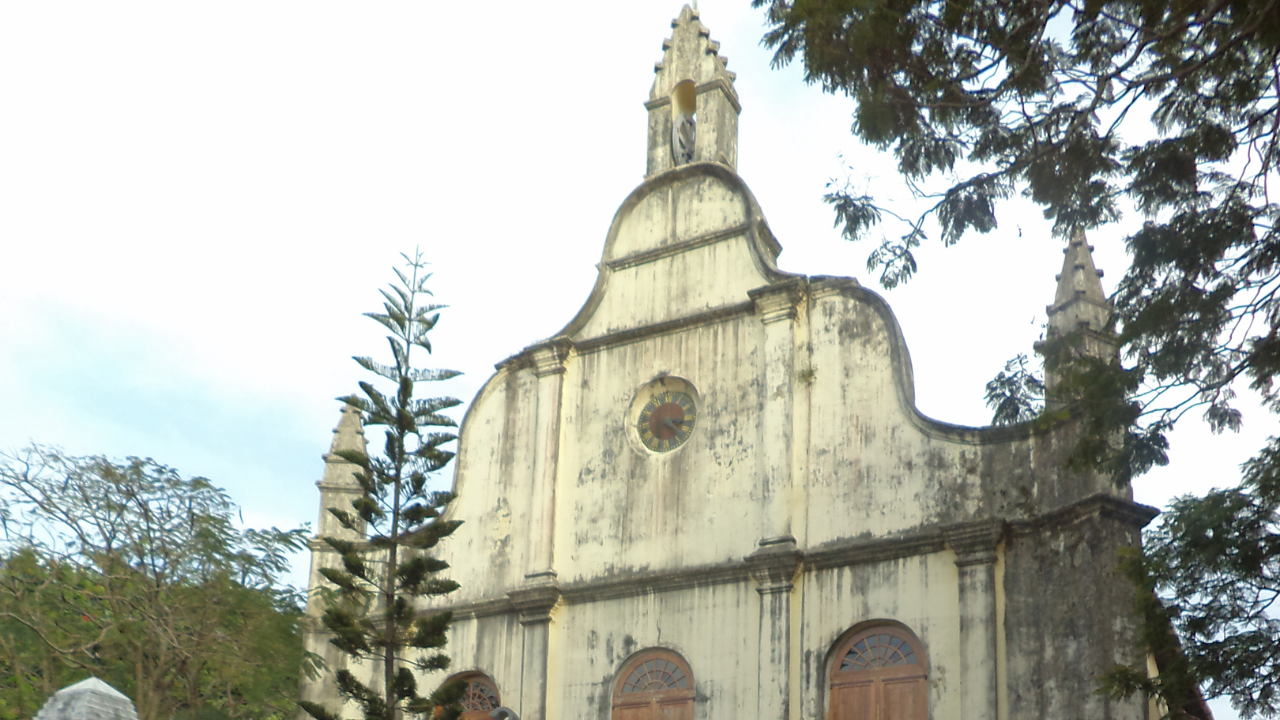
x=198, y=201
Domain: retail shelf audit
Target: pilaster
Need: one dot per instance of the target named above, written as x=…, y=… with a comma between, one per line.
x=774, y=567
x=975, y=547
x=534, y=604
x=548, y=363
x=776, y=306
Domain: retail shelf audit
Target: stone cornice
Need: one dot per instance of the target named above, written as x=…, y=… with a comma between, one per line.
x=861, y=551
x=488, y=607
x=622, y=337
x=534, y=604
x=317, y=544
x=548, y=357
x=1107, y=506
x=644, y=583
x=341, y=488
x=720, y=84
x=974, y=543
x=774, y=567
x=778, y=302
x=676, y=248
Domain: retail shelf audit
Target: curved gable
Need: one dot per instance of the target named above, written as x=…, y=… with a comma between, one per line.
x=685, y=242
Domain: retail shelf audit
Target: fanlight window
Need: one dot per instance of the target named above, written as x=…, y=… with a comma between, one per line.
x=655, y=676
x=879, y=674
x=654, y=685
x=480, y=697
x=877, y=651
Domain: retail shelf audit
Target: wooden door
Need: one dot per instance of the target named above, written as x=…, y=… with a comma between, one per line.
x=879, y=674
x=855, y=701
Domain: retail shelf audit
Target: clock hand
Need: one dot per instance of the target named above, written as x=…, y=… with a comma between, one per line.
x=672, y=423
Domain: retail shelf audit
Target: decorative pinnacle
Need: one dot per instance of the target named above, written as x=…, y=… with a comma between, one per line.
x=349, y=434
x=1079, y=302
x=693, y=39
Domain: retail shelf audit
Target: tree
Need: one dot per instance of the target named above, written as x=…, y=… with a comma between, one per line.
x=131, y=572
x=1090, y=108
x=373, y=615
x=1015, y=394
x=1208, y=571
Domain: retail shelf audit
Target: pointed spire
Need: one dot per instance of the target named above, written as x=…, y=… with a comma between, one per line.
x=349, y=434
x=1079, y=306
x=1079, y=301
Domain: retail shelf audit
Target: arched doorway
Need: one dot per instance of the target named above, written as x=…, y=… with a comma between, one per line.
x=654, y=685
x=480, y=697
x=879, y=674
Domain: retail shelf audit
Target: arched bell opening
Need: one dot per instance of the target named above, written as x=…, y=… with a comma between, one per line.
x=684, y=121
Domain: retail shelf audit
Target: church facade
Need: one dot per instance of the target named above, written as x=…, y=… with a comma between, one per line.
x=711, y=496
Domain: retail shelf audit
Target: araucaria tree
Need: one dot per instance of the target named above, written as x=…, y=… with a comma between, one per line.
x=373, y=615
x=1090, y=108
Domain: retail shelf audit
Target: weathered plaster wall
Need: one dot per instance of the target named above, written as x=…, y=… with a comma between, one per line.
x=918, y=592
x=811, y=497
x=630, y=509
x=594, y=639
x=493, y=645
x=1066, y=615
x=494, y=501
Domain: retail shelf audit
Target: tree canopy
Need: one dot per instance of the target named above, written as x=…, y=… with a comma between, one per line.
x=133, y=573
x=1168, y=110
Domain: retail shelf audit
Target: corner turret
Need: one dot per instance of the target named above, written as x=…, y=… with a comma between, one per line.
x=693, y=107
x=338, y=488
x=1081, y=307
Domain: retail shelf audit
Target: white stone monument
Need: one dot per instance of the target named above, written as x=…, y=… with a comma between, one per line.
x=89, y=699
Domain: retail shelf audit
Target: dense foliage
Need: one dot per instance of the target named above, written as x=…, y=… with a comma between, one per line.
x=374, y=614
x=132, y=573
x=1016, y=394
x=1091, y=109
x=1213, y=562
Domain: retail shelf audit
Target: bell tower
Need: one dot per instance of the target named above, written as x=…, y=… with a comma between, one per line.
x=693, y=107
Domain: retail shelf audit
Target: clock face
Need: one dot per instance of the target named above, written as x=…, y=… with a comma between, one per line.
x=666, y=420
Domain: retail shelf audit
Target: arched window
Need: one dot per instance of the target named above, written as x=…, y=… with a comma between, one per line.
x=480, y=697
x=880, y=674
x=684, y=121
x=654, y=685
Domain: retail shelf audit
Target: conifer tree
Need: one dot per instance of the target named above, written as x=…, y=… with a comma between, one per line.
x=373, y=613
